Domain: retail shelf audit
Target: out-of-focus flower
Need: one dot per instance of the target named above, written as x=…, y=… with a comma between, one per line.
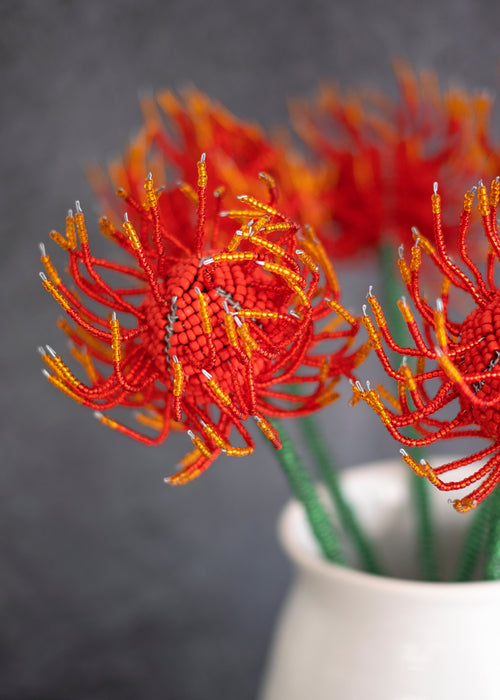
x=178, y=129
x=383, y=155
x=464, y=369
x=208, y=336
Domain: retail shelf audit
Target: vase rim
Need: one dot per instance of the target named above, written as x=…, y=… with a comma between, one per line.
x=293, y=519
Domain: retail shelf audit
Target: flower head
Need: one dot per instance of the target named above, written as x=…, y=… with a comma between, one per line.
x=457, y=363
x=383, y=154
x=201, y=337
x=240, y=157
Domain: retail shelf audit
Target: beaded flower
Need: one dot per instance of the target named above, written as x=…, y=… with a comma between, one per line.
x=463, y=374
x=211, y=336
x=178, y=129
x=383, y=154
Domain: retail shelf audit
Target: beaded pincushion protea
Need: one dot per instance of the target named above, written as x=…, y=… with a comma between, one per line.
x=464, y=355
x=383, y=154
x=178, y=129
x=218, y=335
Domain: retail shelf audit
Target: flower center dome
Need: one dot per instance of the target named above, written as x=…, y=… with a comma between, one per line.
x=483, y=326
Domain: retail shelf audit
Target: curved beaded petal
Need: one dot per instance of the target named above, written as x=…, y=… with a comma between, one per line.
x=456, y=365
x=200, y=338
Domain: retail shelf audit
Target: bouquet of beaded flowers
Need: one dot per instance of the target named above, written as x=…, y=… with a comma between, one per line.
x=222, y=306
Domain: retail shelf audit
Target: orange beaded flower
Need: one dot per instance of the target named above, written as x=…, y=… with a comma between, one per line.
x=212, y=335
x=177, y=130
x=465, y=374
x=383, y=154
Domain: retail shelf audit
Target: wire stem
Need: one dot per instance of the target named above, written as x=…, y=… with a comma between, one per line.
x=329, y=474
x=304, y=490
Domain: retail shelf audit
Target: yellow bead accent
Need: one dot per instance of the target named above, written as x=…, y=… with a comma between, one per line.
x=282, y=271
x=81, y=228
x=240, y=214
x=106, y=227
x=71, y=232
x=482, y=200
x=109, y=422
x=132, y=235
x=188, y=191
x=220, y=393
x=340, y=311
x=407, y=375
x=205, y=317
x=65, y=389
x=268, y=179
x=495, y=192
x=415, y=466
x=405, y=311
x=178, y=379
x=85, y=360
x=445, y=286
x=440, y=329
x=200, y=445
x=468, y=199
x=274, y=227
x=464, y=505
x=404, y=271
x=436, y=204
x=151, y=198
x=50, y=269
x=273, y=248
x=202, y=174
x=233, y=257
x=252, y=202
x=238, y=451
x=315, y=248
x=116, y=340
x=377, y=311
x=257, y=313
x=423, y=243
x=450, y=369
x=231, y=330
x=50, y=287
x=214, y=436
x=249, y=342
x=60, y=240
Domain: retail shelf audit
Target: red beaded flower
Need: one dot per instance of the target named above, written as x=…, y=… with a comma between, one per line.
x=212, y=335
x=177, y=130
x=383, y=154
x=464, y=374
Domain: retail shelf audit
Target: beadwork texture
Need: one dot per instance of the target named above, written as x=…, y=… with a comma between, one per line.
x=382, y=155
x=464, y=370
x=178, y=128
x=208, y=336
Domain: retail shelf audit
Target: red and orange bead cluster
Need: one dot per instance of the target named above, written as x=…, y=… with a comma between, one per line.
x=465, y=357
x=178, y=128
x=219, y=334
x=381, y=155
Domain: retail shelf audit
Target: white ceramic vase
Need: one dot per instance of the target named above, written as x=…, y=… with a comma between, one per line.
x=347, y=635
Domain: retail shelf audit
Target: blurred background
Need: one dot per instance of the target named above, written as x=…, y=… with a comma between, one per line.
x=113, y=585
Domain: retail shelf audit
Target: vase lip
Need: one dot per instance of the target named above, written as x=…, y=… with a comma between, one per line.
x=293, y=520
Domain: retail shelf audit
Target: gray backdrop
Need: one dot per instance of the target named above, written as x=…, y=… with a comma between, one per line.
x=112, y=585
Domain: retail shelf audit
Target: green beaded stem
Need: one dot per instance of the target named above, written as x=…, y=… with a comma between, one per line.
x=475, y=540
x=492, y=563
x=304, y=490
x=426, y=540
x=330, y=476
